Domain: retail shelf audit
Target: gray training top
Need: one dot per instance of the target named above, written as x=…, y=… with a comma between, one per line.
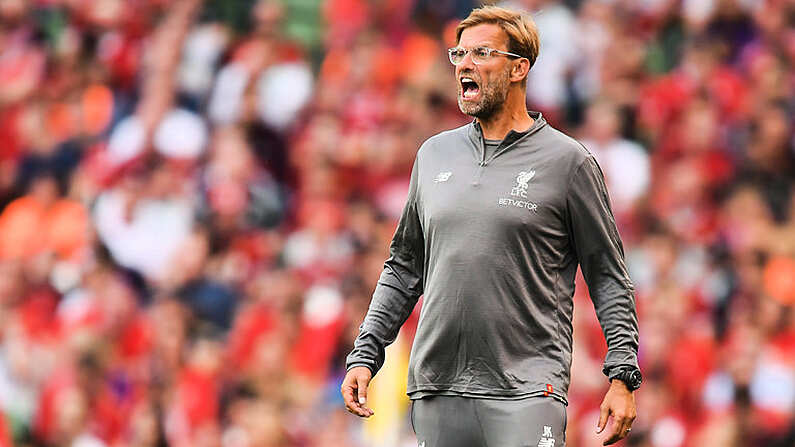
x=493, y=243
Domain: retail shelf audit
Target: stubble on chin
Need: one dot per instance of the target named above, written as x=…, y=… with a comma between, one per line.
x=492, y=97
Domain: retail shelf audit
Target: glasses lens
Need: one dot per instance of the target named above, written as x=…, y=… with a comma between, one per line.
x=456, y=55
x=480, y=55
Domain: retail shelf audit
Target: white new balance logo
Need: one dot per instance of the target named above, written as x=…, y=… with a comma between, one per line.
x=442, y=177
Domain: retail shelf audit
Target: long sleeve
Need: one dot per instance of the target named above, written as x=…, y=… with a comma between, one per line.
x=397, y=290
x=601, y=257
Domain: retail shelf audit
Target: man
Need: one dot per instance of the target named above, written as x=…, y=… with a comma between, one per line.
x=499, y=214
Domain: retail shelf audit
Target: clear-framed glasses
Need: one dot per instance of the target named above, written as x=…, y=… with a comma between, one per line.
x=479, y=55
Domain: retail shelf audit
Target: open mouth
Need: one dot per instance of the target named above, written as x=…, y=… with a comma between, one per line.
x=469, y=88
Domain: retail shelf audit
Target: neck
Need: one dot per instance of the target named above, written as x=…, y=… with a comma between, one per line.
x=512, y=116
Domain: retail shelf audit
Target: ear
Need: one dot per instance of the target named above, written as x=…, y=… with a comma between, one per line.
x=521, y=67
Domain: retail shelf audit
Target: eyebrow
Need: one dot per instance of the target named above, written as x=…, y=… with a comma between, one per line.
x=487, y=44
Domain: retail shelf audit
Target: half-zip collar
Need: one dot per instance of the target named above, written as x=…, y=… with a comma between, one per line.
x=476, y=136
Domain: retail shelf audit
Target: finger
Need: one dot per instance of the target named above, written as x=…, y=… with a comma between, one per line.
x=353, y=407
x=626, y=430
x=348, y=393
x=604, y=412
x=613, y=439
x=626, y=427
x=622, y=429
x=362, y=412
x=361, y=383
x=615, y=431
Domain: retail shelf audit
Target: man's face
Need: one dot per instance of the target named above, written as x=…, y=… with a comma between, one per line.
x=483, y=88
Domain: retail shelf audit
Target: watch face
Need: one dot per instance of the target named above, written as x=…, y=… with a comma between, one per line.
x=635, y=379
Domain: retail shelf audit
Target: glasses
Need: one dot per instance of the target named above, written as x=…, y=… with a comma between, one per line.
x=480, y=55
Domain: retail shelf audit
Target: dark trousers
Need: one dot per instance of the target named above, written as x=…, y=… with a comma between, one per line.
x=452, y=421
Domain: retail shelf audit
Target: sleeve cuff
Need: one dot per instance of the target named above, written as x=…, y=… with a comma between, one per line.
x=616, y=361
x=355, y=364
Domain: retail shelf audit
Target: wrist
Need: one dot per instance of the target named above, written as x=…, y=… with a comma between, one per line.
x=361, y=365
x=629, y=378
x=619, y=385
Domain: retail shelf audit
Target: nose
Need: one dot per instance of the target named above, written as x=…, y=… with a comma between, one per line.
x=465, y=64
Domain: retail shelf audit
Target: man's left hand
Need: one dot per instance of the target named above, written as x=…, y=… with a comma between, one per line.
x=620, y=403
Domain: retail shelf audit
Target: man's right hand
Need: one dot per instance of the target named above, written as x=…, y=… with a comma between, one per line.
x=354, y=391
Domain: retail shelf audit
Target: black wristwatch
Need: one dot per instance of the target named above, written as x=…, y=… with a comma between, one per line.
x=631, y=378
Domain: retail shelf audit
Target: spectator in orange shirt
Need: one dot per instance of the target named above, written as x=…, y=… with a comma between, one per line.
x=41, y=221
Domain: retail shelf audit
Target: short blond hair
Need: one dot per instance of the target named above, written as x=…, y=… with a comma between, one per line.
x=520, y=28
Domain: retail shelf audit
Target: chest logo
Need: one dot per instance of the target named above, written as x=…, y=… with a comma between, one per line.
x=442, y=177
x=520, y=190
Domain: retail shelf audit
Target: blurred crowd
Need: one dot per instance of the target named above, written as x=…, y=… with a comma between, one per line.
x=196, y=200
